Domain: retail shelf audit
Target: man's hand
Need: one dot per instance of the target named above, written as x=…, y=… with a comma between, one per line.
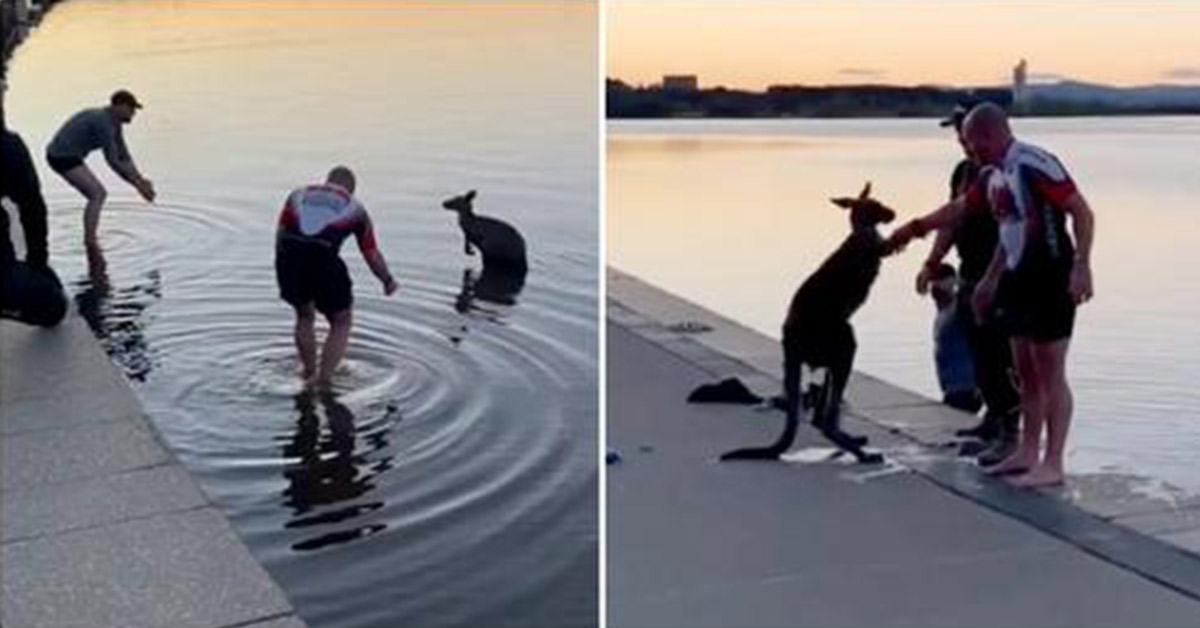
x=145, y=188
x=1080, y=284
x=923, y=277
x=982, y=299
x=903, y=235
x=390, y=287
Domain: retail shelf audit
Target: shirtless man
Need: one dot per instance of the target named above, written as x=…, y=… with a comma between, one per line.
x=89, y=130
x=1039, y=273
x=313, y=224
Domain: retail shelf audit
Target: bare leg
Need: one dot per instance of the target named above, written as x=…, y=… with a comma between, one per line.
x=335, y=345
x=82, y=179
x=306, y=342
x=1051, y=360
x=1032, y=411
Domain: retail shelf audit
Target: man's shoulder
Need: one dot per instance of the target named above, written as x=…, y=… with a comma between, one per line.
x=327, y=193
x=12, y=143
x=1025, y=155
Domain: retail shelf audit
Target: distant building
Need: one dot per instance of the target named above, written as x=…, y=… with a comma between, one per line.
x=680, y=83
x=1020, y=89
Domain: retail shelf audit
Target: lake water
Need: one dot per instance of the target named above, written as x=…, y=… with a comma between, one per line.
x=453, y=479
x=734, y=215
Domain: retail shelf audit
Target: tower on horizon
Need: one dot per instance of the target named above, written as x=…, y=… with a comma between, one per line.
x=1019, y=83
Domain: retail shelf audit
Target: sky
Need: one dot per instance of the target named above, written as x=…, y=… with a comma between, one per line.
x=754, y=43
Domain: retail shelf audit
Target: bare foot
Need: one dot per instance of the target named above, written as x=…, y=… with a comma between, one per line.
x=1040, y=476
x=1019, y=462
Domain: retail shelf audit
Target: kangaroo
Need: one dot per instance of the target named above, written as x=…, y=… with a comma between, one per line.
x=817, y=333
x=501, y=244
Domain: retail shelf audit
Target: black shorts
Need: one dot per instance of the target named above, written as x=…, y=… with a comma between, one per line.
x=312, y=274
x=62, y=165
x=1033, y=301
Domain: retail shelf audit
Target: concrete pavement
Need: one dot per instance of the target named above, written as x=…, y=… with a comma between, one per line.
x=100, y=525
x=923, y=541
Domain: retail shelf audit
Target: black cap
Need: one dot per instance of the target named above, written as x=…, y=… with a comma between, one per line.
x=956, y=117
x=124, y=97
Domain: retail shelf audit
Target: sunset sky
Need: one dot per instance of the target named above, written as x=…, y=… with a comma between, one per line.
x=755, y=43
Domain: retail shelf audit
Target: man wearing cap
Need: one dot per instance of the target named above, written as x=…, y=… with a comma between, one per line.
x=89, y=130
x=1038, y=275
x=974, y=239
x=30, y=292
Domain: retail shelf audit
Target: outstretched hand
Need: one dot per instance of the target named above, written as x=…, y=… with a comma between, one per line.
x=145, y=188
x=900, y=238
x=390, y=287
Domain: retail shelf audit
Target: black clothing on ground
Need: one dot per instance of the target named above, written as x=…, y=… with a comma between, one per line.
x=730, y=390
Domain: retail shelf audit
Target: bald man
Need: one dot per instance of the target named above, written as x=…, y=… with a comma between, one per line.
x=313, y=224
x=1036, y=278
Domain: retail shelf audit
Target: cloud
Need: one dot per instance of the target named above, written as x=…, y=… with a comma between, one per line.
x=1183, y=73
x=863, y=72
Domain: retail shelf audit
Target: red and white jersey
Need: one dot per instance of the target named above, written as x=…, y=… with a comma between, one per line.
x=327, y=214
x=1026, y=192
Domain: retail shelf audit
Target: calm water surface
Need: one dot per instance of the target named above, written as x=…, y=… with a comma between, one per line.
x=452, y=479
x=734, y=215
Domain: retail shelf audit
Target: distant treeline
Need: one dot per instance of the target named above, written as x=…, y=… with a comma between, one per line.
x=843, y=101
x=781, y=101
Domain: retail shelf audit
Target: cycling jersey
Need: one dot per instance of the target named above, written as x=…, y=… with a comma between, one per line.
x=1027, y=191
x=326, y=214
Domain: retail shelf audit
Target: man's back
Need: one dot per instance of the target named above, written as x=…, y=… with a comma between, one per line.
x=84, y=132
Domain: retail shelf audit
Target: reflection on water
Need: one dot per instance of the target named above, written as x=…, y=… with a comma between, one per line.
x=497, y=286
x=366, y=520
x=329, y=474
x=117, y=318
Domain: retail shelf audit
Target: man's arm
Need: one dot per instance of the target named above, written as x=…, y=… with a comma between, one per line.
x=118, y=158
x=116, y=153
x=947, y=216
x=941, y=246
x=985, y=292
x=1083, y=225
x=365, y=236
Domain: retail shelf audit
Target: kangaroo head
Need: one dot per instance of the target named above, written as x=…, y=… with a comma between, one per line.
x=865, y=212
x=460, y=203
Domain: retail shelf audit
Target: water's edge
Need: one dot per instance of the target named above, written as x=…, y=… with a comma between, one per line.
x=1157, y=540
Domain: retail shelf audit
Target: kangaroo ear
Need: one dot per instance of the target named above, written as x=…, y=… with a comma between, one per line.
x=471, y=195
x=866, y=191
x=844, y=202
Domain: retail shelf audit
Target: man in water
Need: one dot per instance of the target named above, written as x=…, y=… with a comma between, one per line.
x=1039, y=273
x=29, y=290
x=314, y=222
x=86, y=131
x=974, y=239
